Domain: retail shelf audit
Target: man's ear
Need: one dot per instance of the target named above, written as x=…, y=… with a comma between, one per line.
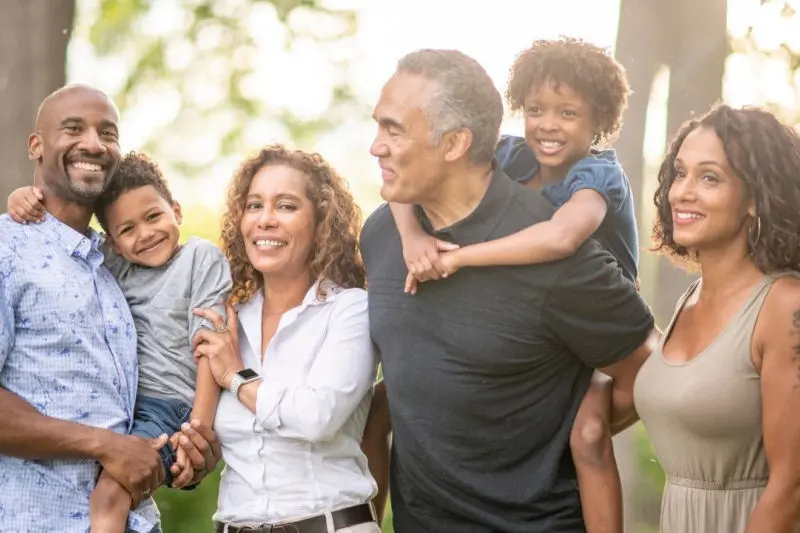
x=176, y=208
x=457, y=144
x=34, y=147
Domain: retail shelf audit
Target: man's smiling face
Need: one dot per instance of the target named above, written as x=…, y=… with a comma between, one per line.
x=77, y=143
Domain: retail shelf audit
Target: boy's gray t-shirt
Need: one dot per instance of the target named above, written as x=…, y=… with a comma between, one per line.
x=161, y=301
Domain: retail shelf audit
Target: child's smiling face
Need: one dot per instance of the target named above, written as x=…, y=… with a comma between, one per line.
x=144, y=227
x=559, y=127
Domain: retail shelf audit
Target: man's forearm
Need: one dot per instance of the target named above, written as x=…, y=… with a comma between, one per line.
x=27, y=433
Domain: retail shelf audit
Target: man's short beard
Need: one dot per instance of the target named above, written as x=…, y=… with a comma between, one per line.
x=85, y=194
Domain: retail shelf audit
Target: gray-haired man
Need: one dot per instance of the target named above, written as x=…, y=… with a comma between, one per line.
x=485, y=369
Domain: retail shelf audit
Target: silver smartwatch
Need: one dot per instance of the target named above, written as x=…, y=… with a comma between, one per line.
x=243, y=377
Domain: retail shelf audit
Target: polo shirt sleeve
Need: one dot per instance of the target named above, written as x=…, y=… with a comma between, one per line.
x=594, y=311
x=601, y=175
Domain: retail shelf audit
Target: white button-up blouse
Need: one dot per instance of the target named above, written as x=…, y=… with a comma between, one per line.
x=300, y=453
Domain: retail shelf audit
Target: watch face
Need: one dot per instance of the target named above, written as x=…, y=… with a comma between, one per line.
x=247, y=373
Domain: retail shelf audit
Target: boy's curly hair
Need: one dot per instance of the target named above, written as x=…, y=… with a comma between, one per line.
x=582, y=66
x=136, y=170
x=335, y=255
x=765, y=155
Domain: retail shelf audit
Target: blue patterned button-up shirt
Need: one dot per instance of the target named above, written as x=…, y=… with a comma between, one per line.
x=67, y=347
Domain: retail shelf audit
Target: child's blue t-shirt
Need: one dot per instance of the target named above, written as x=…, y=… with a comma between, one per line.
x=600, y=172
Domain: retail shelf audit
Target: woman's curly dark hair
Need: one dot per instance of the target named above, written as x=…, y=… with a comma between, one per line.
x=765, y=155
x=335, y=255
x=584, y=67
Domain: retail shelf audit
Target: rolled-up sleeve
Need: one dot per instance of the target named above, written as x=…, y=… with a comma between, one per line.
x=340, y=376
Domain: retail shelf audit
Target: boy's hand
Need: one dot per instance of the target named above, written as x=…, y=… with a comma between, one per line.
x=25, y=205
x=422, y=256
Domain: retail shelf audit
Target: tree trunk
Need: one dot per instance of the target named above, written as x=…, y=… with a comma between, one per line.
x=697, y=65
x=690, y=39
x=33, y=44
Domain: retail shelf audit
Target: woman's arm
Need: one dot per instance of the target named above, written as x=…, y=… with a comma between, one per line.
x=572, y=224
x=340, y=377
x=779, y=327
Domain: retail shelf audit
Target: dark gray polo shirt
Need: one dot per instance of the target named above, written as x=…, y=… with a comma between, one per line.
x=485, y=371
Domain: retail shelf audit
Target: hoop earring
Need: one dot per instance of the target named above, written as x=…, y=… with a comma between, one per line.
x=754, y=240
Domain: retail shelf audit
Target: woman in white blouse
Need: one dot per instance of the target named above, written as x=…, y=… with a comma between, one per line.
x=295, y=356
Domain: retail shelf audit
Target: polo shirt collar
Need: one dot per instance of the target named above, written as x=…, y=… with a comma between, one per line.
x=478, y=225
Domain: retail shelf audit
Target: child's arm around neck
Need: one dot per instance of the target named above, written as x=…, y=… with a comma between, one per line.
x=572, y=224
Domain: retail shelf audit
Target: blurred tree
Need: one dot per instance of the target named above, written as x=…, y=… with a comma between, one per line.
x=765, y=48
x=224, y=75
x=689, y=39
x=33, y=41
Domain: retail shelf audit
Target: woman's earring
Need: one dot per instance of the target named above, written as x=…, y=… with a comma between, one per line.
x=756, y=224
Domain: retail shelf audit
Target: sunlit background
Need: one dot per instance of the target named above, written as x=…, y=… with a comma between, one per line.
x=201, y=84
x=295, y=70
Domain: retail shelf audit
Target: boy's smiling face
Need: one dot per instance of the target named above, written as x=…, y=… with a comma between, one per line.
x=144, y=227
x=559, y=128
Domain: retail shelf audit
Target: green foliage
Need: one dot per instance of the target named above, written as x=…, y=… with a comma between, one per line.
x=212, y=65
x=189, y=511
x=765, y=38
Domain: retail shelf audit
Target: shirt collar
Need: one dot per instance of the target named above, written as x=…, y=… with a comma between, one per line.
x=249, y=313
x=73, y=242
x=477, y=226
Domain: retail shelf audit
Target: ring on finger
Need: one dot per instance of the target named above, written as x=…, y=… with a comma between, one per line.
x=221, y=328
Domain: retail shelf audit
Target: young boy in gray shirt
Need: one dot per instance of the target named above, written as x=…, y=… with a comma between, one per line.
x=163, y=281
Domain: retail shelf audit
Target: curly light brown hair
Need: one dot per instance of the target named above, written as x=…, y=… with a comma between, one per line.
x=335, y=255
x=765, y=155
x=582, y=66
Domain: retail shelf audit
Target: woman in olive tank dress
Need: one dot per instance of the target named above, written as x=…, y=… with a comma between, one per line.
x=720, y=396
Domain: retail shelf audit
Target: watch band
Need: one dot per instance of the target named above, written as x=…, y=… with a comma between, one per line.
x=237, y=381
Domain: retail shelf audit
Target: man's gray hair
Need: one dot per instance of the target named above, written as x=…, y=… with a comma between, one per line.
x=465, y=97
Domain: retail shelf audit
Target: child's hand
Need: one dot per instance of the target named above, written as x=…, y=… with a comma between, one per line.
x=25, y=205
x=421, y=254
x=183, y=475
x=450, y=262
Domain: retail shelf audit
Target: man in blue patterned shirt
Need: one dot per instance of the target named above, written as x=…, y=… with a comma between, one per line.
x=68, y=366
